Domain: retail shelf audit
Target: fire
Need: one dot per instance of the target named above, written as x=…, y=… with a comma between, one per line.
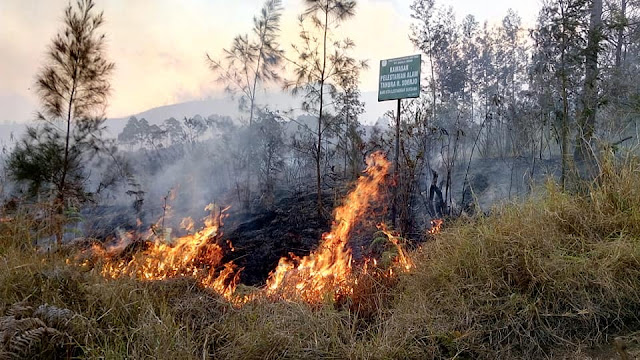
x=403, y=258
x=328, y=269
x=436, y=225
x=196, y=255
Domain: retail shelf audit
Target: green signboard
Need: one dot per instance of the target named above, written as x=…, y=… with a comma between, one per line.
x=399, y=78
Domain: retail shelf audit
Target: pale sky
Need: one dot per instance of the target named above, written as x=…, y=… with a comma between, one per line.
x=159, y=46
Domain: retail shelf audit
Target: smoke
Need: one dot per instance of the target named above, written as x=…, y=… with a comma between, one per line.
x=174, y=169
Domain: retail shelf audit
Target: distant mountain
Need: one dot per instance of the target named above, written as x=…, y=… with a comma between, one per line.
x=227, y=106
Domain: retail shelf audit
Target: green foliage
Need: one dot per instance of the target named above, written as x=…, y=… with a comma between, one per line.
x=38, y=159
x=73, y=87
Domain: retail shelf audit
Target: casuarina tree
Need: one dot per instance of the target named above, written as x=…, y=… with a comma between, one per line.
x=73, y=86
x=320, y=64
x=252, y=60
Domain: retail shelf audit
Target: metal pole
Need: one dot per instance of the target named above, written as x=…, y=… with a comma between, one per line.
x=396, y=168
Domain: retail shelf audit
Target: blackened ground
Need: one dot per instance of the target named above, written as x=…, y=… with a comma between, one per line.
x=103, y=221
x=291, y=225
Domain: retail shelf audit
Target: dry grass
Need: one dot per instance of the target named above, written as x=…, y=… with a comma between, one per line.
x=534, y=279
x=552, y=277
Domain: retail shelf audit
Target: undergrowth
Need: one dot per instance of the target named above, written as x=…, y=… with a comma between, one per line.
x=544, y=278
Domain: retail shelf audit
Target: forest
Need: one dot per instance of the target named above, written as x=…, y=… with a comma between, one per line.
x=494, y=216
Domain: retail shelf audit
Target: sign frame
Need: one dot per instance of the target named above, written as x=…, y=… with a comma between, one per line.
x=399, y=78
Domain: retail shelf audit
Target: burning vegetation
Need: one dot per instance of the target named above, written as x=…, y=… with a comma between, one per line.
x=197, y=255
x=327, y=271
x=556, y=275
x=329, y=268
x=520, y=283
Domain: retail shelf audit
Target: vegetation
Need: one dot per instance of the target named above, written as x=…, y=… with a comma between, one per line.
x=73, y=87
x=321, y=64
x=250, y=63
x=558, y=275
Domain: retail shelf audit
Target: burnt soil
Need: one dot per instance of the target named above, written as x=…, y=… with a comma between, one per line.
x=261, y=238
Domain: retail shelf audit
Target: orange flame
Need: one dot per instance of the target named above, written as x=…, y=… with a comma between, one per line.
x=402, y=259
x=436, y=226
x=193, y=255
x=327, y=270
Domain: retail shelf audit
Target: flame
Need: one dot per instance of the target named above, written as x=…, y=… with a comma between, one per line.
x=402, y=259
x=436, y=226
x=327, y=270
x=187, y=224
x=195, y=255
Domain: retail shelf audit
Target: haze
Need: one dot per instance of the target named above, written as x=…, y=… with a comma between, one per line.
x=159, y=46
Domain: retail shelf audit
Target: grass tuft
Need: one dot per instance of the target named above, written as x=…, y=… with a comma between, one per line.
x=554, y=276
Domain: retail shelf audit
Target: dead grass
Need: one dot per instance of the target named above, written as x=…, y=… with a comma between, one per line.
x=534, y=279
x=553, y=276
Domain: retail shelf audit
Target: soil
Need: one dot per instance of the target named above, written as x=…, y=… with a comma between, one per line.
x=260, y=239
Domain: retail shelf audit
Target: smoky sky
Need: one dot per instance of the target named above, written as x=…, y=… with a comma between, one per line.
x=159, y=46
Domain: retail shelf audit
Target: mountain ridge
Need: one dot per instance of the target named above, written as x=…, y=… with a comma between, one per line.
x=224, y=106
x=227, y=106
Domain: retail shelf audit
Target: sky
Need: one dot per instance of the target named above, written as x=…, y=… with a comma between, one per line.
x=159, y=46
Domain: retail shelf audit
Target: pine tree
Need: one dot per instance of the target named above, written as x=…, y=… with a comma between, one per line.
x=320, y=63
x=73, y=87
x=252, y=61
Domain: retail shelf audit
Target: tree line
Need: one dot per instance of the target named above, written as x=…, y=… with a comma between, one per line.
x=565, y=88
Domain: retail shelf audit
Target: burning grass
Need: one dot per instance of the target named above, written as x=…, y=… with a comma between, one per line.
x=325, y=274
x=547, y=278
x=196, y=255
x=328, y=269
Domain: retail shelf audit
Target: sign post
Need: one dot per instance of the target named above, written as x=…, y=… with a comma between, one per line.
x=399, y=79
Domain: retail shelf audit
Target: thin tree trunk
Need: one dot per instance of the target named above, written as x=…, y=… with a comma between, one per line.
x=583, y=154
x=255, y=80
x=565, y=132
x=319, y=148
x=433, y=86
x=59, y=208
x=346, y=146
x=623, y=14
x=565, y=108
x=65, y=162
x=466, y=175
x=471, y=83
